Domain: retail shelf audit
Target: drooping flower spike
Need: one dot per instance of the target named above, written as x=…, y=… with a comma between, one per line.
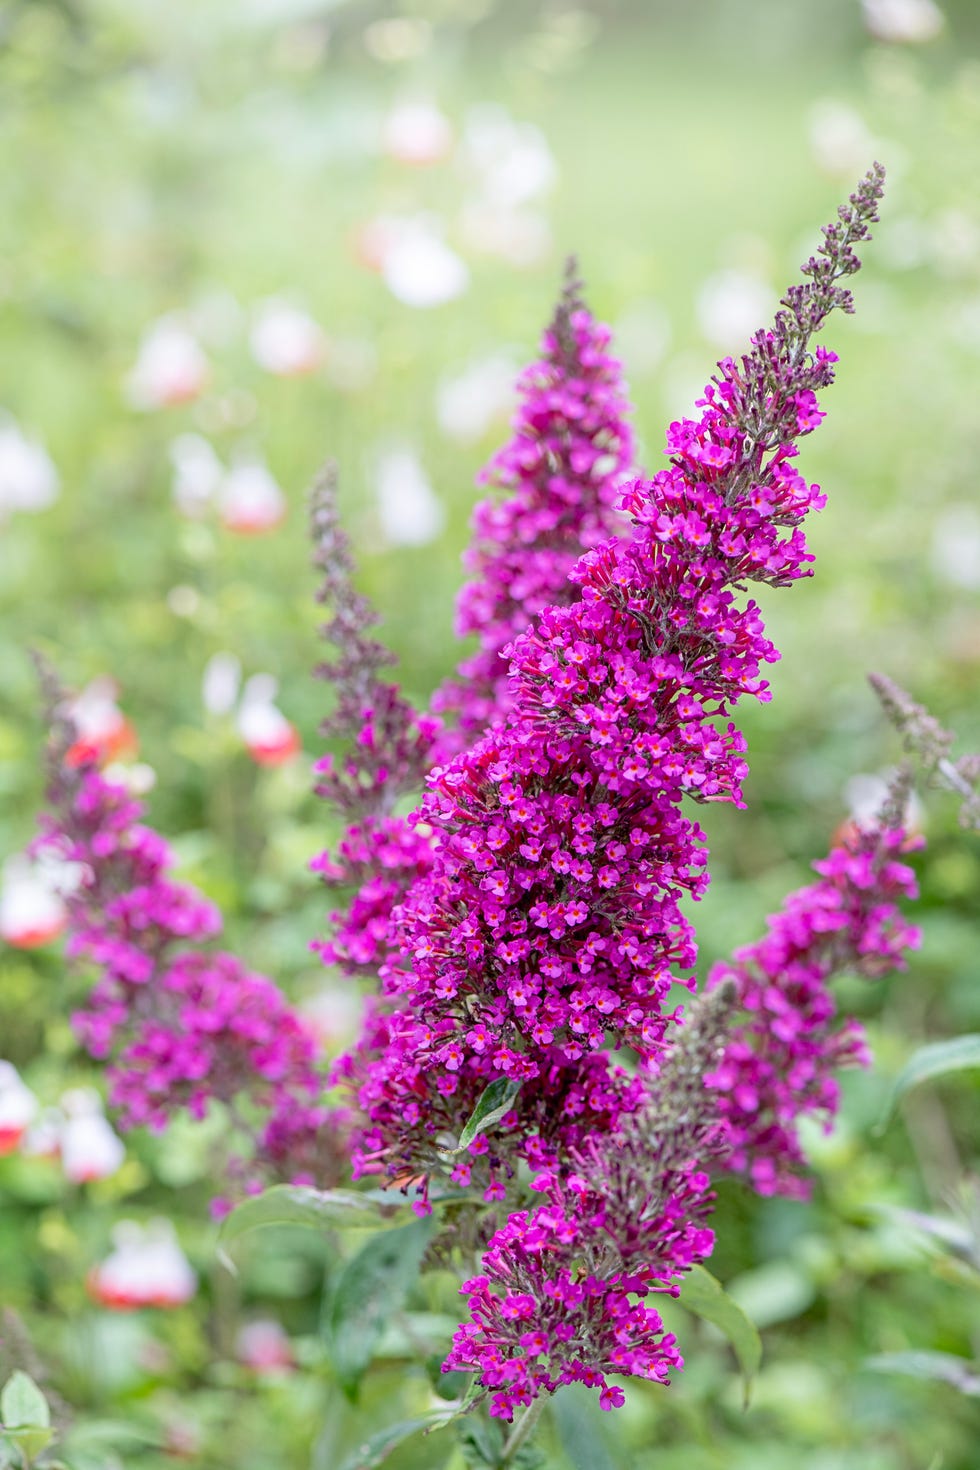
x=779, y=1062
x=180, y=1025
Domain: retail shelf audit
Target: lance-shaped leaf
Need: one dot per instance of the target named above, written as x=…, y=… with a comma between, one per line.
x=368, y=1290
x=495, y=1102
x=705, y=1296
x=375, y=1451
x=945, y=1367
x=313, y=1209
x=934, y=1060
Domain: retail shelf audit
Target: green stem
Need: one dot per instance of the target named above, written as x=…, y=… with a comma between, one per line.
x=523, y=1430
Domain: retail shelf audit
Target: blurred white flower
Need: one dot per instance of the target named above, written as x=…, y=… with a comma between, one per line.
x=866, y=793
x=138, y=778
x=285, y=340
x=28, y=478
x=90, y=1147
x=522, y=237
x=197, y=474
x=956, y=546
x=512, y=161
x=269, y=737
x=171, y=366
x=468, y=404
x=333, y=1016
x=43, y=1138
x=910, y=21
x=104, y=733
x=32, y=911
x=221, y=683
x=420, y=270
x=264, y=1346
x=411, y=514
x=730, y=306
x=250, y=500
x=146, y=1268
x=416, y=132
x=839, y=140
x=18, y=1105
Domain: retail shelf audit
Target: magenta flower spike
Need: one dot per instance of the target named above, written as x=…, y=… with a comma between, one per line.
x=557, y=481
x=779, y=1061
x=180, y=1025
x=550, y=922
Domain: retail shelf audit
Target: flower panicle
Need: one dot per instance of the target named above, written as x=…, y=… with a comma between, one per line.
x=180, y=1025
x=562, y=1294
x=555, y=489
x=551, y=918
x=780, y=1059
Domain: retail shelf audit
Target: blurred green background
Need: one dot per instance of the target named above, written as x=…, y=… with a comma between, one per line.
x=194, y=162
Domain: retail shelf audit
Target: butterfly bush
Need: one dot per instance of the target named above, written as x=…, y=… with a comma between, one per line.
x=525, y=926
x=180, y=1025
x=551, y=919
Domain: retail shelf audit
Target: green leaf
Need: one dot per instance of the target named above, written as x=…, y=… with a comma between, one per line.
x=932, y=1061
x=30, y=1440
x=23, y=1405
x=946, y=1367
x=495, y=1102
x=481, y=1442
x=703, y=1295
x=948, y=1232
x=582, y=1429
x=314, y=1209
x=366, y=1293
x=377, y=1449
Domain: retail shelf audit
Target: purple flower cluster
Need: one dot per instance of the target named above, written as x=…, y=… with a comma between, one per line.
x=527, y=922
x=559, y=475
x=551, y=919
x=778, y=1063
x=182, y=1026
x=562, y=1296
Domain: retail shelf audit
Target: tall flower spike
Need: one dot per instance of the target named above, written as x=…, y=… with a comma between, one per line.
x=556, y=482
x=389, y=748
x=180, y=1025
x=779, y=1061
x=551, y=918
x=561, y=1297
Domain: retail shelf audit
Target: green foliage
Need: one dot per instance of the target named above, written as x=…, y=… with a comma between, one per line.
x=703, y=1295
x=495, y=1102
x=367, y=1293
x=312, y=1209
x=25, y=1419
x=936, y=1060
